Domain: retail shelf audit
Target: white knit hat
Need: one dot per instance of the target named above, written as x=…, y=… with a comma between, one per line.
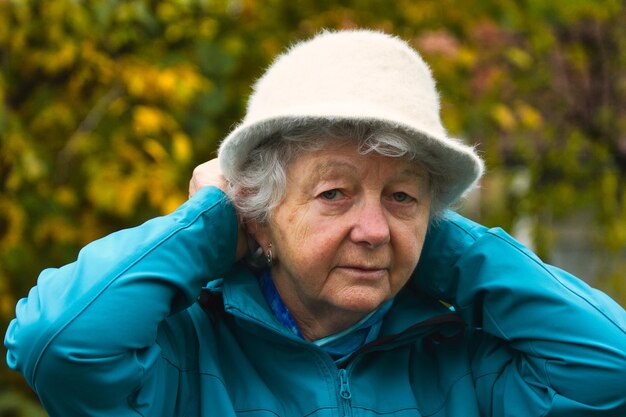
x=356, y=75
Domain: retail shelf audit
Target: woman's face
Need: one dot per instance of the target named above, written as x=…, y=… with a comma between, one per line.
x=348, y=233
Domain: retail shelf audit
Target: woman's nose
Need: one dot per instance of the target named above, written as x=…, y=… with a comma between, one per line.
x=371, y=226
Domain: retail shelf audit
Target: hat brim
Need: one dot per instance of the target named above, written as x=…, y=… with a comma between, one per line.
x=458, y=163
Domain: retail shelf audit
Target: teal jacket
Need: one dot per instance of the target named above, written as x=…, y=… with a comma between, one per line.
x=127, y=330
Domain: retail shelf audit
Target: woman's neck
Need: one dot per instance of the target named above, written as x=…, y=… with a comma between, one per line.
x=319, y=325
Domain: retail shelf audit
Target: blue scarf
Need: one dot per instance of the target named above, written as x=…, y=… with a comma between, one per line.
x=339, y=345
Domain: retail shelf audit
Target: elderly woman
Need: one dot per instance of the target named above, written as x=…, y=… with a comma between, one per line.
x=316, y=271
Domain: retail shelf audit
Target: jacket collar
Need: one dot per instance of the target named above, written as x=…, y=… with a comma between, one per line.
x=412, y=309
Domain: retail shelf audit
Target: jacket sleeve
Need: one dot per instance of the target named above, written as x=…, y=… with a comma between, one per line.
x=85, y=338
x=550, y=344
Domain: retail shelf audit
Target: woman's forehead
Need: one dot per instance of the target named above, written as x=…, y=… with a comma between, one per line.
x=346, y=162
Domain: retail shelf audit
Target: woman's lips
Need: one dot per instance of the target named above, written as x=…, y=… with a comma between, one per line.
x=369, y=272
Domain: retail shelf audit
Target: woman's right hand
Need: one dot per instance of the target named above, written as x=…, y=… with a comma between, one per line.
x=210, y=174
x=206, y=174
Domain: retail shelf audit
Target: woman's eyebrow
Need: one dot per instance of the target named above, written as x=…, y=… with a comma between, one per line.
x=324, y=171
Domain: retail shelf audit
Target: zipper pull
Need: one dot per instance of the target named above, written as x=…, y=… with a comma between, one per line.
x=344, y=387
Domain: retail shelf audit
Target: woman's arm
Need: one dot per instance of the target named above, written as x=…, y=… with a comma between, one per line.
x=85, y=338
x=567, y=340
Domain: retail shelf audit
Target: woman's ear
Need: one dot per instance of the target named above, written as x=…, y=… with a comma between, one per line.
x=259, y=244
x=258, y=231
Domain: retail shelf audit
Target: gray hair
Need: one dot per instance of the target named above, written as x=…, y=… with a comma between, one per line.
x=259, y=186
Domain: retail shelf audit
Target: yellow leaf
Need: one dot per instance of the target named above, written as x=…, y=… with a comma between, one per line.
x=136, y=84
x=190, y=83
x=155, y=150
x=181, y=147
x=34, y=168
x=466, y=57
x=147, y=120
x=66, y=55
x=128, y=192
x=504, y=117
x=167, y=11
x=166, y=82
x=66, y=197
x=529, y=116
x=520, y=58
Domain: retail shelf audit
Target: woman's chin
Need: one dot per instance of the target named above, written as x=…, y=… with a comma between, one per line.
x=363, y=302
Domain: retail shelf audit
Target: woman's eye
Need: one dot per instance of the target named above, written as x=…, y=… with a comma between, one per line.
x=401, y=197
x=330, y=194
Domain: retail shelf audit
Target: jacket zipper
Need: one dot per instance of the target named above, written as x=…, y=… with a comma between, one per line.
x=344, y=385
x=344, y=392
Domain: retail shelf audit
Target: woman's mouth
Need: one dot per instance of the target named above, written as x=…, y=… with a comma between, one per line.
x=364, y=271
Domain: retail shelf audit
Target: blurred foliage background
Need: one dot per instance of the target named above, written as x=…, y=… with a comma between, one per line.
x=106, y=107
